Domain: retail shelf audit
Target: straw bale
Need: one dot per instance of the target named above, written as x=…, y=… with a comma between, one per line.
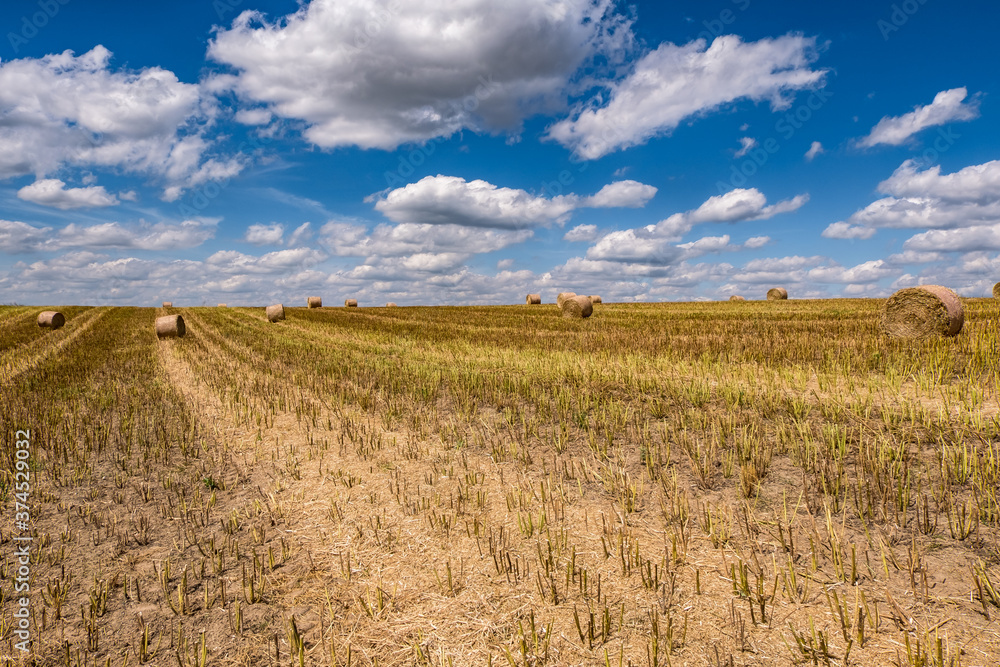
x=562, y=297
x=577, y=307
x=169, y=326
x=777, y=294
x=51, y=319
x=275, y=312
x=923, y=312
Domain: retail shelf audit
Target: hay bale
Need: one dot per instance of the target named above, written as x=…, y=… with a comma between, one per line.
x=777, y=294
x=169, y=326
x=390, y=305
x=562, y=297
x=168, y=304
x=996, y=291
x=737, y=297
x=533, y=299
x=595, y=299
x=315, y=302
x=350, y=303
x=222, y=305
x=275, y=312
x=577, y=307
x=923, y=312
x=51, y=319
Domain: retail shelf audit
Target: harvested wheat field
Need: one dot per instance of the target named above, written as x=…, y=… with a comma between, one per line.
x=659, y=484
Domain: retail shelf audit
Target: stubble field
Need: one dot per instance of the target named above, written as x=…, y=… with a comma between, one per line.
x=752, y=483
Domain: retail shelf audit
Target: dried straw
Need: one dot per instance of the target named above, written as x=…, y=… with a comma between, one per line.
x=169, y=326
x=595, y=299
x=533, y=299
x=737, y=297
x=51, y=319
x=315, y=302
x=390, y=305
x=275, y=312
x=350, y=303
x=562, y=297
x=168, y=304
x=996, y=291
x=923, y=312
x=577, y=307
x=777, y=294
x=222, y=305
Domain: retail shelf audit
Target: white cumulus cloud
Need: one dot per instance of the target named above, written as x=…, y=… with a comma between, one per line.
x=380, y=73
x=67, y=110
x=265, y=234
x=928, y=199
x=53, y=192
x=442, y=200
x=674, y=83
x=621, y=194
x=948, y=106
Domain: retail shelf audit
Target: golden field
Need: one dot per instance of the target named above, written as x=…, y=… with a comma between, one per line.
x=746, y=483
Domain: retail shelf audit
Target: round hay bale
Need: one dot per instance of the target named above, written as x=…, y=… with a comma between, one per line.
x=562, y=297
x=169, y=326
x=996, y=291
x=595, y=299
x=777, y=294
x=533, y=299
x=315, y=302
x=390, y=305
x=51, y=319
x=275, y=312
x=737, y=297
x=222, y=305
x=923, y=312
x=168, y=304
x=577, y=307
x=350, y=303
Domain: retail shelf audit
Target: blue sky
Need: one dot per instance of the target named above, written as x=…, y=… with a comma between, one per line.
x=420, y=152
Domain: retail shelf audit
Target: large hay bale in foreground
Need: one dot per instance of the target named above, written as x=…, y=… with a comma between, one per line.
x=169, y=326
x=563, y=296
x=736, y=297
x=577, y=307
x=315, y=302
x=350, y=303
x=533, y=299
x=923, y=312
x=168, y=304
x=275, y=312
x=777, y=294
x=595, y=299
x=51, y=319
x=390, y=305
x=996, y=291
